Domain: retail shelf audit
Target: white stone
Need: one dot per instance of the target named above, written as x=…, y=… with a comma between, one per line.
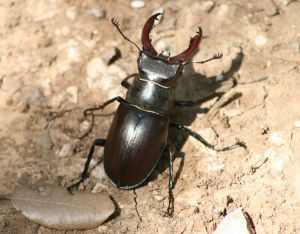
x=66, y=150
x=71, y=13
x=158, y=198
x=234, y=223
x=207, y=6
x=278, y=165
x=216, y=167
x=276, y=138
x=74, y=54
x=73, y=94
x=297, y=123
x=260, y=40
x=271, y=154
x=223, y=10
x=137, y=4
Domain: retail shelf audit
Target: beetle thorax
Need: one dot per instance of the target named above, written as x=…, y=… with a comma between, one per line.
x=153, y=89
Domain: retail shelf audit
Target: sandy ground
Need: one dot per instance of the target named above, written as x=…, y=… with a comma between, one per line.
x=54, y=63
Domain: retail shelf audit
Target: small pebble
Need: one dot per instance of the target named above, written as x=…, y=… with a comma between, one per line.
x=137, y=4
x=223, y=10
x=233, y=223
x=66, y=150
x=207, y=6
x=278, y=165
x=276, y=138
x=159, y=198
x=297, y=123
x=271, y=154
x=216, y=167
x=71, y=13
x=73, y=94
x=260, y=40
x=97, y=12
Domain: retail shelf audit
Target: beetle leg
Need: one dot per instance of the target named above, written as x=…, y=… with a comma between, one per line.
x=85, y=174
x=100, y=107
x=198, y=102
x=170, y=209
x=204, y=142
x=125, y=83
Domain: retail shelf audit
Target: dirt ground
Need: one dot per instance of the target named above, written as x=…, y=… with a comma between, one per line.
x=54, y=58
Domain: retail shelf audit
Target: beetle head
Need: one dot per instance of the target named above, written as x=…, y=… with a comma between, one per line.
x=158, y=68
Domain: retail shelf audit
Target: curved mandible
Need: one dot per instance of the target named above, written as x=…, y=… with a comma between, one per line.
x=186, y=55
x=146, y=41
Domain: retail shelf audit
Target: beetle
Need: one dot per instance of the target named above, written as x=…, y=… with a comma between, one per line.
x=138, y=134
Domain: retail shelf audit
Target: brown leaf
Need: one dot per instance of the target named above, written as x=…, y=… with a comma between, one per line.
x=55, y=207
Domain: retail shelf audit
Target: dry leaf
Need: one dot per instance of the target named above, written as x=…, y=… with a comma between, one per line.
x=55, y=207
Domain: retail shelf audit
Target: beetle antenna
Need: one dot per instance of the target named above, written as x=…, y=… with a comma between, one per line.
x=116, y=23
x=216, y=56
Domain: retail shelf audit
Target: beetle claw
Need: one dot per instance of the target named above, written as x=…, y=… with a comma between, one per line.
x=194, y=42
x=146, y=41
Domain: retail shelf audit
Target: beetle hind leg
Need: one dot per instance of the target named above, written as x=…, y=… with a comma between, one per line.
x=85, y=174
x=204, y=142
x=170, y=209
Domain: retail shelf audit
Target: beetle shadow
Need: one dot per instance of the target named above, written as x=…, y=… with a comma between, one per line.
x=198, y=88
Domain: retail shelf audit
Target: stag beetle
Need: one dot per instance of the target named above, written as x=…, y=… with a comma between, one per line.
x=138, y=135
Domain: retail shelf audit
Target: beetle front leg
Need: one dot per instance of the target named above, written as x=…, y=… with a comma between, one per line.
x=203, y=141
x=125, y=83
x=100, y=107
x=85, y=174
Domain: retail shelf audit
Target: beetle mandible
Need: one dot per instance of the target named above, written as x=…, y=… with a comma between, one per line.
x=138, y=135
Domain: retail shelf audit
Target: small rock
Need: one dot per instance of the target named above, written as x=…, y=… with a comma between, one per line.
x=110, y=54
x=137, y=4
x=191, y=197
x=84, y=126
x=223, y=10
x=71, y=13
x=216, y=167
x=234, y=223
x=271, y=154
x=297, y=123
x=66, y=150
x=73, y=94
x=10, y=84
x=74, y=54
x=260, y=40
x=158, y=198
x=278, y=165
x=97, y=12
x=206, y=6
x=276, y=138
x=287, y=2
x=232, y=113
